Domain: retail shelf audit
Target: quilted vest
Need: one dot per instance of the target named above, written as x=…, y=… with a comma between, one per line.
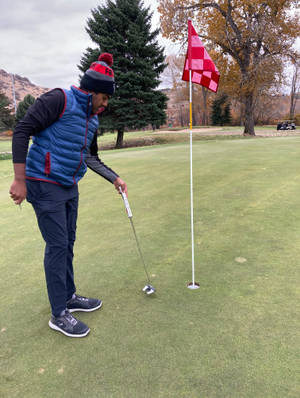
x=58, y=153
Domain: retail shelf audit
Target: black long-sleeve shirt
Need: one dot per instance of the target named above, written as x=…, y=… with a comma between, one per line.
x=43, y=113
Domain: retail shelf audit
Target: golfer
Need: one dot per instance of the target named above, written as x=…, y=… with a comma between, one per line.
x=64, y=125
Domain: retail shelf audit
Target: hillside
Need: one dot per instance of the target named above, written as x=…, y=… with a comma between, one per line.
x=23, y=86
x=177, y=107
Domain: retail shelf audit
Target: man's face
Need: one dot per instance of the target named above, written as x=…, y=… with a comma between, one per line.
x=99, y=100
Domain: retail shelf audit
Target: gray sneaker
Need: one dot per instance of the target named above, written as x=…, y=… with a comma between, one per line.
x=69, y=325
x=80, y=303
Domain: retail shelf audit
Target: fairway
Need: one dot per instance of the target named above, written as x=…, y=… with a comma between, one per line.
x=235, y=337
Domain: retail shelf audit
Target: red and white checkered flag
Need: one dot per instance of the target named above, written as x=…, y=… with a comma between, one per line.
x=204, y=71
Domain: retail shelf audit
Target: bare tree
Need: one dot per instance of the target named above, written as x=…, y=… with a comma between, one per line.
x=295, y=88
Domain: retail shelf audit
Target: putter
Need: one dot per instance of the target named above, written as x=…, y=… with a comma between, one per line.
x=148, y=289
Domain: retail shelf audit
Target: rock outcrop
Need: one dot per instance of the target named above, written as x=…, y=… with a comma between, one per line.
x=23, y=86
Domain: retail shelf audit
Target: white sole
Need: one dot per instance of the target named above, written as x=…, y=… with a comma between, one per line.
x=83, y=310
x=54, y=327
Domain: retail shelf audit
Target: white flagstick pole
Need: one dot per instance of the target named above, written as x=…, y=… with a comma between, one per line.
x=192, y=285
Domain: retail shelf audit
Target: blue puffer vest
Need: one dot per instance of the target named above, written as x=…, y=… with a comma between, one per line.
x=58, y=153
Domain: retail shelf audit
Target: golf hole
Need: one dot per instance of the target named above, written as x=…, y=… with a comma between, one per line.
x=193, y=286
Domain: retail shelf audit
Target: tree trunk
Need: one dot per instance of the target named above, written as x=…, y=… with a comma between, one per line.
x=204, y=114
x=181, y=115
x=292, y=106
x=294, y=92
x=119, y=143
x=242, y=113
x=194, y=120
x=249, y=115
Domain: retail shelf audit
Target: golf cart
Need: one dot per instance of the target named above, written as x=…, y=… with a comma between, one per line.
x=286, y=125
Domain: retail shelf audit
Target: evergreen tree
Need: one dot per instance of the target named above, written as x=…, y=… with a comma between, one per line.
x=123, y=28
x=220, y=114
x=216, y=112
x=227, y=114
x=6, y=118
x=23, y=106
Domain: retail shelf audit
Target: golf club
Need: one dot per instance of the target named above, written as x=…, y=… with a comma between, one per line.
x=148, y=289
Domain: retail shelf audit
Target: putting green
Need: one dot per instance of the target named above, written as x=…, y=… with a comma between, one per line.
x=236, y=336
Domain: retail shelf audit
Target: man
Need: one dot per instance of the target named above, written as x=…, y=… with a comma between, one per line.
x=64, y=125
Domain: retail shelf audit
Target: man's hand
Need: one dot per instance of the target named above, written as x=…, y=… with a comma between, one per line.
x=120, y=183
x=18, y=191
x=18, y=187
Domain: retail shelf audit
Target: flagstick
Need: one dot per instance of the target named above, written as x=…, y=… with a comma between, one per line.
x=194, y=68
x=192, y=285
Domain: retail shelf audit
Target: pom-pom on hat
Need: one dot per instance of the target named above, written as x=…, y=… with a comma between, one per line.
x=107, y=58
x=99, y=78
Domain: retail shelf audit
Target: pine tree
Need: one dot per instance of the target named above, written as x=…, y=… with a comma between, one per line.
x=216, y=112
x=220, y=114
x=6, y=118
x=227, y=114
x=123, y=28
x=23, y=106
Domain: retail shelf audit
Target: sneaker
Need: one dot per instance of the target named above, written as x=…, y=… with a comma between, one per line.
x=69, y=325
x=80, y=303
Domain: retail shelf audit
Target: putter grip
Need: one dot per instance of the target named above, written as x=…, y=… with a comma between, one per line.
x=126, y=203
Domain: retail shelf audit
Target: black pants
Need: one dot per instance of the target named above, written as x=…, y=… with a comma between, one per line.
x=56, y=210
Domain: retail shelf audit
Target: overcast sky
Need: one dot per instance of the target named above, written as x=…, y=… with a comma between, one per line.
x=44, y=40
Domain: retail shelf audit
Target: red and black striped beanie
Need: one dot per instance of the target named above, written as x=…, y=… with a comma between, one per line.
x=99, y=78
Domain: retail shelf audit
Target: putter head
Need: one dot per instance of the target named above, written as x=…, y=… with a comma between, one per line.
x=148, y=289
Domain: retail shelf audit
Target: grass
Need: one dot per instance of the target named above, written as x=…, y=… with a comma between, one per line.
x=5, y=145
x=165, y=136
x=4, y=156
x=235, y=337
x=5, y=148
x=173, y=135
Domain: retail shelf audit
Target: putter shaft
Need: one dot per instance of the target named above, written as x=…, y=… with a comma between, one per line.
x=129, y=213
x=139, y=249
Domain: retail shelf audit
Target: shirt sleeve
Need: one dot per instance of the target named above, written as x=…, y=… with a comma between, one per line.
x=45, y=111
x=94, y=163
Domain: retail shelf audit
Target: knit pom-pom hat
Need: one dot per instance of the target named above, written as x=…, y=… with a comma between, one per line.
x=99, y=78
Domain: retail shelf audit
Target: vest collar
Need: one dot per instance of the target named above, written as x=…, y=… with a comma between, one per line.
x=84, y=99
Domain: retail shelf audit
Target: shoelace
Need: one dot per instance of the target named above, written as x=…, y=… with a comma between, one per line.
x=80, y=298
x=71, y=319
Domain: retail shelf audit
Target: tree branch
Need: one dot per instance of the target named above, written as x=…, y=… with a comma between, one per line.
x=203, y=5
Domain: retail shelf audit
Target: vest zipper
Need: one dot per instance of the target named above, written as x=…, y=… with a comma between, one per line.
x=85, y=141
